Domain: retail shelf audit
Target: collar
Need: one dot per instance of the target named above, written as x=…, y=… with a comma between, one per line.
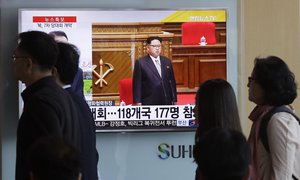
x=259, y=111
x=66, y=86
x=153, y=58
x=36, y=86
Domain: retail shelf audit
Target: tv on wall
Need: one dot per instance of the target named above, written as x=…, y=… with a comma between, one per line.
x=110, y=41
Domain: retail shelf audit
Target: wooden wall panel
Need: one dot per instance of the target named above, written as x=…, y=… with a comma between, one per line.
x=121, y=62
x=180, y=67
x=201, y=63
x=208, y=69
x=191, y=69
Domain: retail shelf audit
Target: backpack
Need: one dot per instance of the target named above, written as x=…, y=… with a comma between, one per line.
x=265, y=122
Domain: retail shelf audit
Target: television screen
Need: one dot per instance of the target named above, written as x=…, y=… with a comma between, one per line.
x=110, y=42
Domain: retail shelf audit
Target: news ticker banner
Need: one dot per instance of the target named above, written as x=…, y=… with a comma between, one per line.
x=143, y=118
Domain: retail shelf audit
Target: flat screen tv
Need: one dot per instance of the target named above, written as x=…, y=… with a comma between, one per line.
x=110, y=42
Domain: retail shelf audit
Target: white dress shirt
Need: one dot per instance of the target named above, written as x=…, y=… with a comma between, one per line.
x=157, y=64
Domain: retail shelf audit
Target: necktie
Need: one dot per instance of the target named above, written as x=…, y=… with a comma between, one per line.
x=158, y=66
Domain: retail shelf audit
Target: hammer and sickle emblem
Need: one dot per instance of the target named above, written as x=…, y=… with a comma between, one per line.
x=102, y=75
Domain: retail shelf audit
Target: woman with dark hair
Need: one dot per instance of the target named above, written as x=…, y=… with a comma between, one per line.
x=273, y=85
x=215, y=107
x=222, y=154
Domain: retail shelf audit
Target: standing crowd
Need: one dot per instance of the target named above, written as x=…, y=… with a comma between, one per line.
x=56, y=132
x=52, y=109
x=272, y=151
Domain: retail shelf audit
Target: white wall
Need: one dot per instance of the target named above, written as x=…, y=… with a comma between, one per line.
x=120, y=153
x=271, y=27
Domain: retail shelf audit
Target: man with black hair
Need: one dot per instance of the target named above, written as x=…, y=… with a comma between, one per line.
x=77, y=84
x=48, y=109
x=64, y=72
x=153, y=77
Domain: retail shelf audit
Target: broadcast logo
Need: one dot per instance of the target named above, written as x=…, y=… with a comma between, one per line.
x=166, y=151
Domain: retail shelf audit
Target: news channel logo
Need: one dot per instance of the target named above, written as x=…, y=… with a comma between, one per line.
x=179, y=151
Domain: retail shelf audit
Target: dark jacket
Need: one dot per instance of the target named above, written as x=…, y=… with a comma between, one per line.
x=88, y=137
x=151, y=89
x=48, y=111
x=77, y=84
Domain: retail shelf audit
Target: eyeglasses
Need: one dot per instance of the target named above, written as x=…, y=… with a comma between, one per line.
x=155, y=46
x=18, y=57
x=250, y=79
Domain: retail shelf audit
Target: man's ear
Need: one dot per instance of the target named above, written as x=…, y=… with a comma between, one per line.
x=54, y=71
x=55, y=74
x=29, y=64
x=147, y=49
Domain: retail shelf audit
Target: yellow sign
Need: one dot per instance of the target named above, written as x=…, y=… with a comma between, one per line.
x=197, y=16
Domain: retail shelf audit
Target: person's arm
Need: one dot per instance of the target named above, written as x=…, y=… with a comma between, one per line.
x=137, y=84
x=283, y=137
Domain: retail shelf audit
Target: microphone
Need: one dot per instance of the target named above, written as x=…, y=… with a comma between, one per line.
x=171, y=86
x=172, y=92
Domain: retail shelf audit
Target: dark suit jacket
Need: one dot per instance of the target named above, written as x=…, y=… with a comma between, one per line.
x=151, y=89
x=88, y=137
x=48, y=111
x=77, y=84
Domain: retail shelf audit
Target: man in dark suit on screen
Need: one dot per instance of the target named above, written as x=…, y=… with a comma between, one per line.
x=153, y=77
